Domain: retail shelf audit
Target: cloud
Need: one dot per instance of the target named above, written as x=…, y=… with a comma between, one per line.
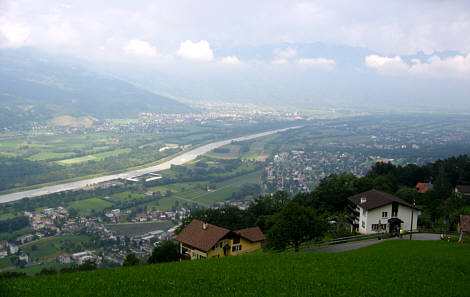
x=287, y=53
x=140, y=48
x=320, y=62
x=196, y=51
x=386, y=65
x=456, y=66
x=232, y=60
x=14, y=34
x=280, y=62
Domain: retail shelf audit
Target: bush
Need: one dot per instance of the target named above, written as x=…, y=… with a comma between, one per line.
x=165, y=252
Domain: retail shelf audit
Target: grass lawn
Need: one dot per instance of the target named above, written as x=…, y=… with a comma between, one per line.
x=54, y=246
x=392, y=268
x=87, y=206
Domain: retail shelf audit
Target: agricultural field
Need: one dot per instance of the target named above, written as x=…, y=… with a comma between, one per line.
x=33, y=270
x=392, y=268
x=89, y=206
x=133, y=229
x=54, y=246
x=98, y=156
x=225, y=189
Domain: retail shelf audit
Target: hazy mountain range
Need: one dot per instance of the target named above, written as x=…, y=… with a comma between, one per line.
x=37, y=86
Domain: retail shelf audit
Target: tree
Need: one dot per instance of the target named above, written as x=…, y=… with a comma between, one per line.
x=165, y=252
x=293, y=225
x=131, y=260
x=407, y=194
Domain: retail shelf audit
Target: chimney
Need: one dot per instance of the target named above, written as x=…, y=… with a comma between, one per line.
x=204, y=226
x=363, y=200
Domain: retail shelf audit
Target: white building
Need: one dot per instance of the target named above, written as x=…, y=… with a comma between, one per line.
x=376, y=210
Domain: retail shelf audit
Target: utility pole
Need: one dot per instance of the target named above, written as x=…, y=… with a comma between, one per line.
x=412, y=208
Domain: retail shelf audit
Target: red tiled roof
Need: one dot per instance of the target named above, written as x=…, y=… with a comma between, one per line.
x=423, y=187
x=195, y=236
x=376, y=199
x=253, y=234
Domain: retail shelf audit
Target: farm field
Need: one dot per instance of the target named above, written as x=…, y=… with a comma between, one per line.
x=32, y=270
x=98, y=156
x=225, y=189
x=89, y=206
x=132, y=229
x=410, y=268
x=54, y=246
x=196, y=191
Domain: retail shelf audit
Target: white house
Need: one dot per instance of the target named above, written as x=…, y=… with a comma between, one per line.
x=376, y=210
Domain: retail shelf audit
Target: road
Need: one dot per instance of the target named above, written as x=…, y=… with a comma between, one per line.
x=363, y=243
x=178, y=160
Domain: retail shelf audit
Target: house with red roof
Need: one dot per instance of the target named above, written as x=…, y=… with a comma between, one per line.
x=200, y=240
x=423, y=187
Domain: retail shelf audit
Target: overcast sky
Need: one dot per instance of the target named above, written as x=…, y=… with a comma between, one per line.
x=188, y=32
x=389, y=27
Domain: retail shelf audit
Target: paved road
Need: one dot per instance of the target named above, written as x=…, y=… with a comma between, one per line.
x=181, y=159
x=343, y=247
x=360, y=244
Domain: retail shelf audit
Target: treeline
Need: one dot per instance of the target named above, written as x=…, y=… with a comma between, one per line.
x=13, y=224
x=280, y=216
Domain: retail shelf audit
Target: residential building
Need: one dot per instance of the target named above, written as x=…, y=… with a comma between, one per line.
x=463, y=190
x=423, y=187
x=379, y=211
x=200, y=240
x=64, y=259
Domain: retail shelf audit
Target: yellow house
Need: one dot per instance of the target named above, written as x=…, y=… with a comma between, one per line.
x=201, y=240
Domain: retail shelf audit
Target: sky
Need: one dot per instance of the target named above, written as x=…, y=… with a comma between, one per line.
x=199, y=34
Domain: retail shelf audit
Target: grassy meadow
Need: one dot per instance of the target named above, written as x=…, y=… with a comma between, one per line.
x=392, y=268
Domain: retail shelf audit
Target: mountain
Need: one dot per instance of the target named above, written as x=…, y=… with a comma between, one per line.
x=36, y=87
x=287, y=74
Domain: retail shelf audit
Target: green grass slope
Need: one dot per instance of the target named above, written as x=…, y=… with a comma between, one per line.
x=392, y=268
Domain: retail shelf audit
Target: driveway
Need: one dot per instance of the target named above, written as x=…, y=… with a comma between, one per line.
x=343, y=247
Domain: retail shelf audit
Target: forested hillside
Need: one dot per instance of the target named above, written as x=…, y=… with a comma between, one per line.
x=34, y=88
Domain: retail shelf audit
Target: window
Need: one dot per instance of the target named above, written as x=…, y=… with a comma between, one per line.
x=236, y=248
x=364, y=212
x=384, y=214
x=363, y=224
x=236, y=240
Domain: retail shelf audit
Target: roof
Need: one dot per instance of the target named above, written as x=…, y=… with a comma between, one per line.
x=253, y=234
x=465, y=223
x=202, y=239
x=463, y=189
x=423, y=187
x=376, y=199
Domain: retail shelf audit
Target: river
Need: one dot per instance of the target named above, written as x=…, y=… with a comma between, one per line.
x=178, y=160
